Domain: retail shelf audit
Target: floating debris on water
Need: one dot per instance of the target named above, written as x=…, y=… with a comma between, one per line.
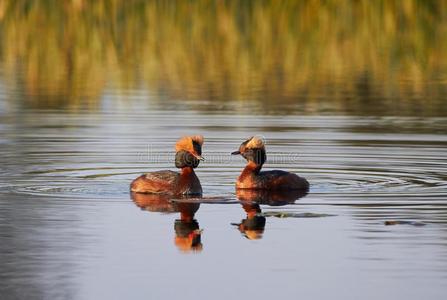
x=400, y=222
x=279, y=214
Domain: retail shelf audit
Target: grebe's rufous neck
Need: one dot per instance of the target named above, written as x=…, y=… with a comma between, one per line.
x=187, y=157
x=253, y=150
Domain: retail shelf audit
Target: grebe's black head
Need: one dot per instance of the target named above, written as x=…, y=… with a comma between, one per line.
x=188, y=151
x=253, y=150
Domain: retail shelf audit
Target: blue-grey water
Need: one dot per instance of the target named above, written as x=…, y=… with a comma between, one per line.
x=69, y=228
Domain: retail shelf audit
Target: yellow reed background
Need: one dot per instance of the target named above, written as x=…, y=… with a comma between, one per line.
x=69, y=52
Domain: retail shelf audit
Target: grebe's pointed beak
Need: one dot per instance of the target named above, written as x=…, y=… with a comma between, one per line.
x=235, y=152
x=199, y=157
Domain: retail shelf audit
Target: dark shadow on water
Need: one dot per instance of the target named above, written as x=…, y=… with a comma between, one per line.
x=271, y=198
x=252, y=227
x=187, y=230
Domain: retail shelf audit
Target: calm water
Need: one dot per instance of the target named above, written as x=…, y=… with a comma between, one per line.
x=371, y=138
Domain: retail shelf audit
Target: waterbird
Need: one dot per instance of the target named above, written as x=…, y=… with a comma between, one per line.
x=187, y=157
x=253, y=150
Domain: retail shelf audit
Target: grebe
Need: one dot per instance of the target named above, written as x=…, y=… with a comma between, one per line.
x=188, y=154
x=253, y=150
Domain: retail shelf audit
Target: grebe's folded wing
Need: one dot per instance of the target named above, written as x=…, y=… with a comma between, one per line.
x=156, y=182
x=163, y=176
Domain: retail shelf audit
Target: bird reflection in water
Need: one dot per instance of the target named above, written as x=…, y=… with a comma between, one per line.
x=187, y=231
x=252, y=227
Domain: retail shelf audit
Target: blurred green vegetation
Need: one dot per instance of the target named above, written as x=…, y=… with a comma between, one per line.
x=69, y=52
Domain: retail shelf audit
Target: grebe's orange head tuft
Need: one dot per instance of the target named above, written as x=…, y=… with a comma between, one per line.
x=255, y=142
x=253, y=149
x=192, y=144
x=188, y=151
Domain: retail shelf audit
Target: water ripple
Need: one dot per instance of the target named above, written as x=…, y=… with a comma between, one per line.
x=54, y=155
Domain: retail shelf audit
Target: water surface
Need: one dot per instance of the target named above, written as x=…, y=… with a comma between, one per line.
x=366, y=125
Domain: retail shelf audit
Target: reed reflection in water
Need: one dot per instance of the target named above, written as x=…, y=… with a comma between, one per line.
x=360, y=57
